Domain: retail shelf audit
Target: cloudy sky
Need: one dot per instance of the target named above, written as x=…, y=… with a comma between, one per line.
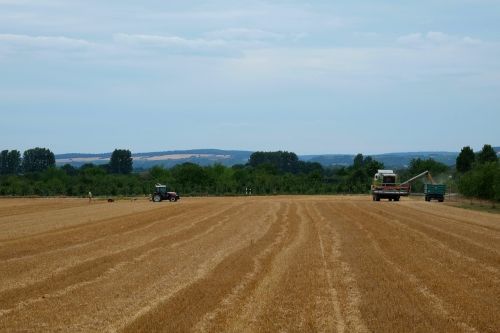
x=310, y=77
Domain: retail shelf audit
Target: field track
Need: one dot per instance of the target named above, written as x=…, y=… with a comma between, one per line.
x=276, y=264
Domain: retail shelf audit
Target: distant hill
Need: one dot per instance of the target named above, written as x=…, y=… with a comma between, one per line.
x=232, y=157
x=163, y=158
x=390, y=160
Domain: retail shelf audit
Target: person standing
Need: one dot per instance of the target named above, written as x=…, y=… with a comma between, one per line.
x=90, y=196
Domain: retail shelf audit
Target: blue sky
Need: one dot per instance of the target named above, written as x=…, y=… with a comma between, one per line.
x=310, y=77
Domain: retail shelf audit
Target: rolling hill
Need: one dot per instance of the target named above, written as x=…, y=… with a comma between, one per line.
x=232, y=157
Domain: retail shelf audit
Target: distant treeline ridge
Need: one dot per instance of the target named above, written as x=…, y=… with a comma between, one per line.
x=266, y=173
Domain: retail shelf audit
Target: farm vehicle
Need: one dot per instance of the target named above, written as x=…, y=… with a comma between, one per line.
x=386, y=186
x=162, y=193
x=434, y=191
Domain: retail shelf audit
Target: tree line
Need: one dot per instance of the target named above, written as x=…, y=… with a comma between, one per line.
x=33, y=160
x=266, y=173
x=479, y=173
x=40, y=159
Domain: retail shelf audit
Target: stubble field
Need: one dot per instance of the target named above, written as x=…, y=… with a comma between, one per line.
x=276, y=264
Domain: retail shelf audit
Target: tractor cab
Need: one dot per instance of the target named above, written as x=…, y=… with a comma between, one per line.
x=161, y=189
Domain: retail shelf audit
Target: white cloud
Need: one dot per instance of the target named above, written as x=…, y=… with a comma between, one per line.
x=29, y=2
x=229, y=42
x=167, y=41
x=438, y=37
x=256, y=56
x=244, y=34
x=201, y=15
x=366, y=34
x=410, y=39
x=442, y=58
x=156, y=44
x=44, y=42
x=433, y=38
x=469, y=40
x=120, y=45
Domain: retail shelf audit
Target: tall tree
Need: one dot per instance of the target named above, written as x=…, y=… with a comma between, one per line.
x=482, y=181
x=13, y=161
x=358, y=161
x=281, y=160
x=4, y=162
x=121, y=161
x=465, y=159
x=38, y=159
x=487, y=154
x=69, y=169
x=419, y=165
x=372, y=166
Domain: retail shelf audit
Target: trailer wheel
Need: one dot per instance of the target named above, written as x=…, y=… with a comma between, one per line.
x=377, y=198
x=396, y=199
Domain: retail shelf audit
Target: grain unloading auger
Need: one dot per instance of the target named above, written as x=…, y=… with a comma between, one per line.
x=385, y=186
x=423, y=174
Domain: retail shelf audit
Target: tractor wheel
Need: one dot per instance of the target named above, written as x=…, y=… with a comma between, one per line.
x=156, y=198
x=173, y=199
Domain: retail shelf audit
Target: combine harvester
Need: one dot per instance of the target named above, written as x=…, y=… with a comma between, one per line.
x=385, y=186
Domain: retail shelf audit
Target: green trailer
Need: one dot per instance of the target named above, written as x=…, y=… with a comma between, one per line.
x=434, y=191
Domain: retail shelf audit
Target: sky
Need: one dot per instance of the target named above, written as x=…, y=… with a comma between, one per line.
x=310, y=77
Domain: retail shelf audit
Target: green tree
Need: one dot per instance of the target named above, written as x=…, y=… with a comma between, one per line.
x=190, y=177
x=38, y=159
x=310, y=167
x=465, y=159
x=4, y=162
x=481, y=181
x=372, y=166
x=419, y=165
x=13, y=161
x=121, y=161
x=487, y=154
x=9, y=162
x=358, y=161
x=496, y=185
x=69, y=169
x=282, y=160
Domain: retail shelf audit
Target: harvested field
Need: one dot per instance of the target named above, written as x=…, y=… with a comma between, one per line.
x=277, y=264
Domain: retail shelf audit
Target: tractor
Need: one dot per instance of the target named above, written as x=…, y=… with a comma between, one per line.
x=162, y=193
